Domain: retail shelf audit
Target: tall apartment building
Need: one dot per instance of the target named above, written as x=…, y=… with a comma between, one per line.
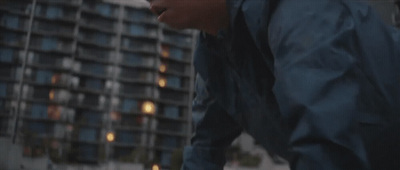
x=87, y=81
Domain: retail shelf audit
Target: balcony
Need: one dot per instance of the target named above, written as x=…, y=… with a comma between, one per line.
x=128, y=137
x=6, y=90
x=60, y=63
x=88, y=117
x=21, y=6
x=42, y=111
x=103, y=9
x=89, y=100
x=12, y=21
x=39, y=128
x=170, y=112
x=96, y=54
x=46, y=94
x=140, y=30
x=139, y=15
x=175, y=53
x=93, y=69
x=10, y=73
x=13, y=38
x=172, y=95
x=138, y=45
x=184, y=41
x=5, y=108
x=169, y=141
x=8, y=55
x=91, y=21
x=170, y=126
x=134, y=74
x=174, y=68
x=55, y=12
x=92, y=84
x=85, y=152
x=63, y=2
x=135, y=90
x=51, y=44
x=55, y=28
x=137, y=59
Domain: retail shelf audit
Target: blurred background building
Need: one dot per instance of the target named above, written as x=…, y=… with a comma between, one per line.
x=90, y=81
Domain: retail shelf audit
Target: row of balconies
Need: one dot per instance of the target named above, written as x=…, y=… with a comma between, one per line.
x=95, y=100
x=87, y=127
x=131, y=66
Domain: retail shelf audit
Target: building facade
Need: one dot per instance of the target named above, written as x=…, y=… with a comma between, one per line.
x=87, y=81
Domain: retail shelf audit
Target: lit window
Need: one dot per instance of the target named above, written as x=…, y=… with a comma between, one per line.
x=155, y=167
x=51, y=94
x=165, y=51
x=162, y=82
x=55, y=79
x=163, y=68
x=54, y=112
x=110, y=137
x=148, y=107
x=115, y=116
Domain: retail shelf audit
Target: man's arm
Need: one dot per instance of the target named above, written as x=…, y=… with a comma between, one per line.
x=317, y=86
x=214, y=132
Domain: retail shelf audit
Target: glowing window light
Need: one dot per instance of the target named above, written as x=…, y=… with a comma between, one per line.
x=165, y=51
x=162, y=82
x=51, y=95
x=155, y=167
x=110, y=137
x=148, y=107
x=55, y=79
x=115, y=116
x=163, y=68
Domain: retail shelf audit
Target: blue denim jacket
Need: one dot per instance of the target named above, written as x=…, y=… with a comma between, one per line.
x=314, y=81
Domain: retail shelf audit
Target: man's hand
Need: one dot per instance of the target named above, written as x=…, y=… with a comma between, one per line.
x=206, y=15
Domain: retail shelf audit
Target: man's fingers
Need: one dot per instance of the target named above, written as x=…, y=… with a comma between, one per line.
x=157, y=10
x=158, y=6
x=162, y=16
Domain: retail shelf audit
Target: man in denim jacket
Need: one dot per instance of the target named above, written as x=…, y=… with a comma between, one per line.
x=314, y=81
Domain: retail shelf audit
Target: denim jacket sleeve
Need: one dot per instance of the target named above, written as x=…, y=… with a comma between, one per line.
x=214, y=132
x=318, y=83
